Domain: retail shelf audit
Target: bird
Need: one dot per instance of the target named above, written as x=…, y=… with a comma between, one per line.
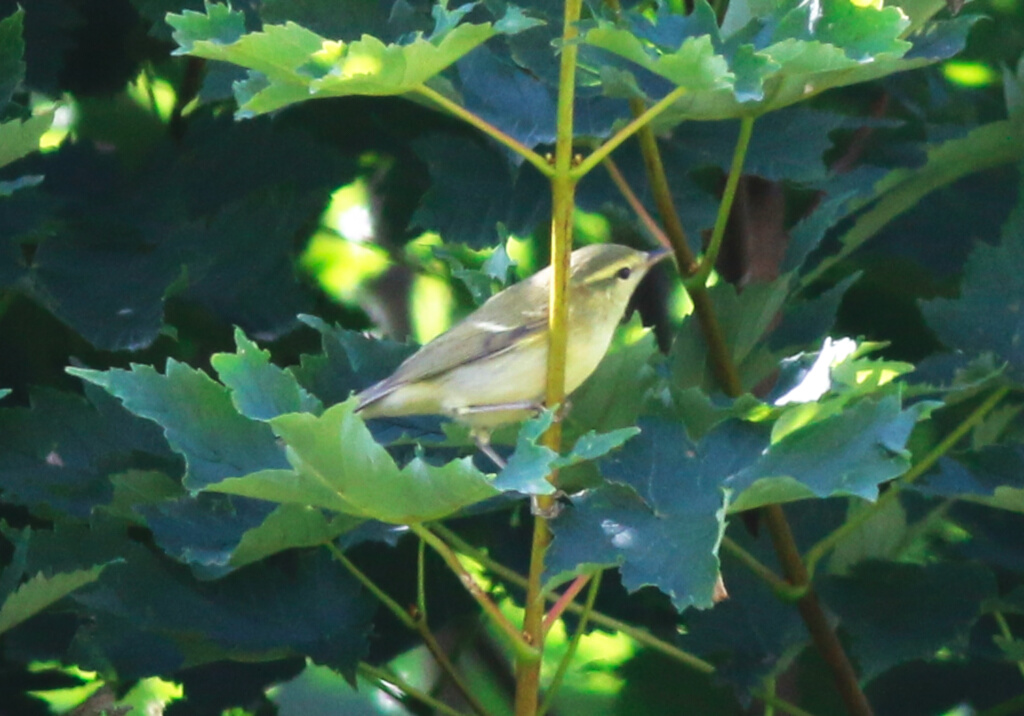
x=490, y=369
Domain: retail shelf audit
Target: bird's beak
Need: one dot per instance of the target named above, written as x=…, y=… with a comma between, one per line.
x=654, y=257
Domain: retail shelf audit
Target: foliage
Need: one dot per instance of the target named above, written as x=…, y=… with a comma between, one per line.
x=186, y=488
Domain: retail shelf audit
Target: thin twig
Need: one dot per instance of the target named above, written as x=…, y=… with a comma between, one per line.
x=478, y=593
x=555, y=613
x=725, y=206
x=574, y=642
x=417, y=624
x=822, y=634
x=380, y=675
x=487, y=128
x=782, y=588
x=392, y=606
x=613, y=142
x=635, y=204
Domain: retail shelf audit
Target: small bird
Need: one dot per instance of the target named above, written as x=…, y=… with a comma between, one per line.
x=491, y=368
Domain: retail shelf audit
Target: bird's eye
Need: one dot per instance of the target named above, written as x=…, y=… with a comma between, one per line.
x=624, y=272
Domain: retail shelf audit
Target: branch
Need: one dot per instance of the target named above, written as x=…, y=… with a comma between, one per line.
x=613, y=142
x=417, y=624
x=574, y=643
x=372, y=673
x=476, y=591
x=824, y=638
x=700, y=277
x=487, y=128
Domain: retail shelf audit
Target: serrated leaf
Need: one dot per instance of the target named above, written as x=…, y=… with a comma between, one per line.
x=287, y=527
x=662, y=521
x=902, y=612
x=781, y=54
x=744, y=317
x=198, y=419
x=259, y=389
x=988, y=314
x=532, y=462
x=338, y=466
x=57, y=456
x=18, y=139
x=992, y=476
x=898, y=191
x=851, y=453
x=41, y=591
x=289, y=63
x=12, y=51
x=307, y=607
x=203, y=531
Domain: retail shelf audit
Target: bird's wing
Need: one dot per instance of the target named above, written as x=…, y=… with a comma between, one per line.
x=487, y=332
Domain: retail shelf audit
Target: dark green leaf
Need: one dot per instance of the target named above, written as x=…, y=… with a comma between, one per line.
x=903, y=612
x=198, y=419
x=259, y=389
x=987, y=316
x=309, y=607
x=41, y=591
x=851, y=453
x=664, y=528
x=12, y=64
x=59, y=455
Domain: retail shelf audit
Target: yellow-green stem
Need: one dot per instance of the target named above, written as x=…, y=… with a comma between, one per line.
x=563, y=191
x=417, y=624
x=487, y=128
x=616, y=140
x=725, y=206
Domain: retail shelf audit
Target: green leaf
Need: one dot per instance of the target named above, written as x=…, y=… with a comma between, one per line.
x=12, y=64
x=662, y=518
x=289, y=63
x=1013, y=649
x=259, y=389
x=58, y=456
x=992, y=476
x=772, y=56
x=851, y=453
x=287, y=527
x=41, y=591
x=745, y=317
x=338, y=466
x=612, y=397
x=305, y=606
x=532, y=462
x=198, y=419
x=902, y=612
x=987, y=316
x=19, y=139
